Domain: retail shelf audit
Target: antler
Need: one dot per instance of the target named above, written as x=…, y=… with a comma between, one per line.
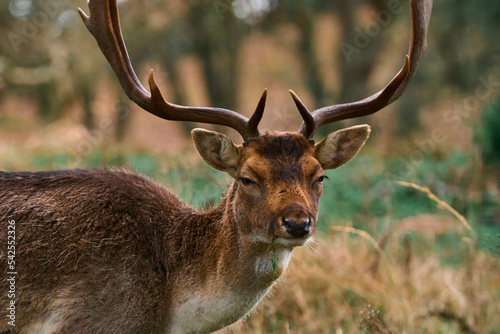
x=420, y=15
x=104, y=24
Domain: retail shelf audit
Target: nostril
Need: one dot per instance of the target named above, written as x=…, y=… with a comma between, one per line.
x=307, y=223
x=297, y=229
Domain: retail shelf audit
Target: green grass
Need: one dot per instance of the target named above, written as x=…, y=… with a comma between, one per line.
x=331, y=285
x=363, y=192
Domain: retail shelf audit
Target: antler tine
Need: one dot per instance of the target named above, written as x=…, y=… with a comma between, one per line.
x=420, y=15
x=254, y=121
x=104, y=24
x=309, y=122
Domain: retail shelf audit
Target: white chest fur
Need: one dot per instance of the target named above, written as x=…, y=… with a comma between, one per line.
x=213, y=308
x=204, y=313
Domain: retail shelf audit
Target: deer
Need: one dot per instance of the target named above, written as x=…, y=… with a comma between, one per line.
x=112, y=251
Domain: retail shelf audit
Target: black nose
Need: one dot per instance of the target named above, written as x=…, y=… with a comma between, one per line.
x=297, y=229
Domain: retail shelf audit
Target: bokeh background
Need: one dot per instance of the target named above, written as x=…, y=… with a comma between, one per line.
x=389, y=258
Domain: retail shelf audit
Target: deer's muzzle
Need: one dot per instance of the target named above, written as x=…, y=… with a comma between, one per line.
x=296, y=221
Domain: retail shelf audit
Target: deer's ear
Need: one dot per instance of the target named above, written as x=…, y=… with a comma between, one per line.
x=217, y=150
x=341, y=146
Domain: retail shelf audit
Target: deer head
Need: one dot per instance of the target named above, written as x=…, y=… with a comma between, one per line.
x=279, y=178
x=278, y=175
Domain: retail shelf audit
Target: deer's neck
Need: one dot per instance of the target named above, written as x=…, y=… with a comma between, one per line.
x=224, y=274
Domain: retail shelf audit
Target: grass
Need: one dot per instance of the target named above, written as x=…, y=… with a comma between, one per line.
x=365, y=191
x=339, y=286
x=440, y=203
x=387, y=259
x=331, y=287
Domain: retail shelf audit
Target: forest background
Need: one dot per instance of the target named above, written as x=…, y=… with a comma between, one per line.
x=389, y=256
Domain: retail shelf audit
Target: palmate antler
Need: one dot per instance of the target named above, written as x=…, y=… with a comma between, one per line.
x=420, y=15
x=104, y=24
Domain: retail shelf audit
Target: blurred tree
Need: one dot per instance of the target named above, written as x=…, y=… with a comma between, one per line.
x=488, y=139
x=54, y=61
x=488, y=134
x=363, y=38
x=303, y=15
x=466, y=41
x=38, y=52
x=357, y=53
x=360, y=47
x=208, y=30
x=463, y=52
x=216, y=38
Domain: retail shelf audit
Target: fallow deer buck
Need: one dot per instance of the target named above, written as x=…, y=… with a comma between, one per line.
x=110, y=251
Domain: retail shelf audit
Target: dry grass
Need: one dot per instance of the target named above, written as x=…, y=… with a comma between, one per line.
x=441, y=204
x=329, y=288
x=349, y=281
x=336, y=286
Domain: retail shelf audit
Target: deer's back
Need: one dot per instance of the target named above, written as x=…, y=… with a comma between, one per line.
x=91, y=240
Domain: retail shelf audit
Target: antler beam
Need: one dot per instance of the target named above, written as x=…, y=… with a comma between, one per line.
x=420, y=15
x=104, y=24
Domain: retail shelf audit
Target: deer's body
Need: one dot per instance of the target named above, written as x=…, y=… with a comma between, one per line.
x=95, y=242
x=154, y=265
x=84, y=249
x=109, y=251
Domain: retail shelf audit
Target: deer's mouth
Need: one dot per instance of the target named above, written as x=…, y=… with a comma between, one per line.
x=293, y=242
x=281, y=240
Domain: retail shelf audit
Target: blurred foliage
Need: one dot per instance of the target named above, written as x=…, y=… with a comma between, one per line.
x=48, y=58
x=431, y=277
x=43, y=43
x=489, y=134
x=332, y=287
x=47, y=55
x=463, y=38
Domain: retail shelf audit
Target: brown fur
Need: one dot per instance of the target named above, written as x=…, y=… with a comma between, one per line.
x=78, y=234
x=110, y=251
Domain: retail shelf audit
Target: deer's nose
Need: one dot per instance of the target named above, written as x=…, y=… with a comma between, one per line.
x=297, y=229
x=296, y=221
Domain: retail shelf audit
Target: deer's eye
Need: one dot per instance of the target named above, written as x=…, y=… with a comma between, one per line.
x=321, y=179
x=246, y=181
